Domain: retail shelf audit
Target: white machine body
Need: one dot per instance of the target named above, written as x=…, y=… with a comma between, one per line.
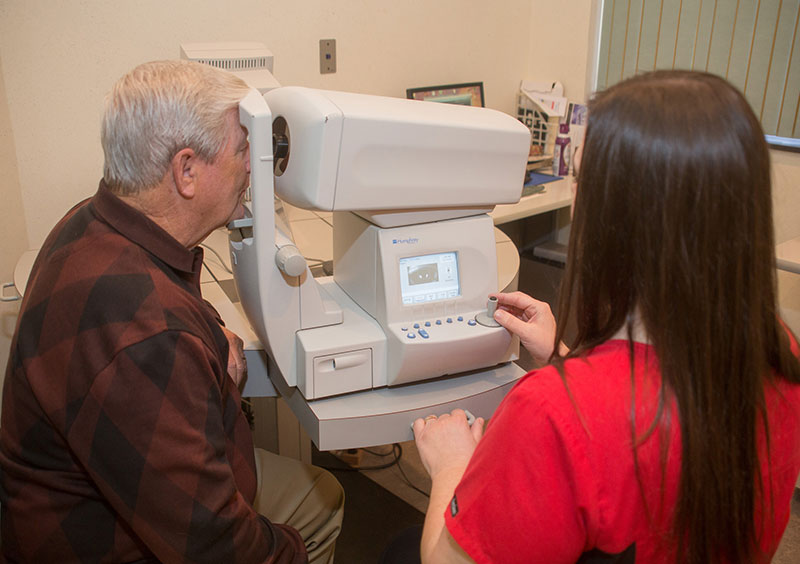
x=414, y=264
x=397, y=161
x=424, y=284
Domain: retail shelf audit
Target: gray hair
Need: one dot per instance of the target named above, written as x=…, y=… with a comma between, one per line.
x=156, y=110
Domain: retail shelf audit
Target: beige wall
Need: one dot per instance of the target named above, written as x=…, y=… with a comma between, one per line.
x=13, y=237
x=786, y=189
x=60, y=58
x=560, y=44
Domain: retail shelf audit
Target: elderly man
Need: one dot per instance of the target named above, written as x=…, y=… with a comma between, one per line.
x=122, y=436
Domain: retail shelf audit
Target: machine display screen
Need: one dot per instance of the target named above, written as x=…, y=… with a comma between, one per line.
x=429, y=278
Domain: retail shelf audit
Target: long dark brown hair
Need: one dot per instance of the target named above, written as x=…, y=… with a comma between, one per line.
x=673, y=224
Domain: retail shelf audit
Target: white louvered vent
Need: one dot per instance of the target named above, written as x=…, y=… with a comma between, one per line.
x=237, y=64
x=250, y=61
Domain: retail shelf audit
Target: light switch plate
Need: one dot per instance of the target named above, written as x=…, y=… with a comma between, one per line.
x=327, y=56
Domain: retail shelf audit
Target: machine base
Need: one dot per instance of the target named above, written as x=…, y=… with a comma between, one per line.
x=383, y=416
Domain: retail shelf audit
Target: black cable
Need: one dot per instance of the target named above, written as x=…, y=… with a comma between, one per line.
x=222, y=262
x=211, y=272
x=398, y=451
x=372, y=452
x=405, y=478
x=312, y=262
x=408, y=482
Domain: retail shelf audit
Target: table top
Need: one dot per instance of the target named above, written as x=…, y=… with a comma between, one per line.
x=313, y=230
x=313, y=236
x=787, y=255
x=23, y=269
x=556, y=195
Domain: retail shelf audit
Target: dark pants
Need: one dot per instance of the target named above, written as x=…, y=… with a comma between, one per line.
x=404, y=548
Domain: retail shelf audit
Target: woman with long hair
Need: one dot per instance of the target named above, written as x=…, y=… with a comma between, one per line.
x=669, y=431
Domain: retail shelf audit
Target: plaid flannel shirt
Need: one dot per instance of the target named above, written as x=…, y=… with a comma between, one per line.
x=122, y=437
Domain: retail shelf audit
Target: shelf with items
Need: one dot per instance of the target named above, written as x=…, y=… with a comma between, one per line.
x=543, y=128
x=540, y=161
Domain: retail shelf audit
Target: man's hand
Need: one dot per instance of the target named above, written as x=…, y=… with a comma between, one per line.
x=237, y=364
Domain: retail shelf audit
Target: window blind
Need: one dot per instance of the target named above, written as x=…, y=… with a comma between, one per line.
x=752, y=43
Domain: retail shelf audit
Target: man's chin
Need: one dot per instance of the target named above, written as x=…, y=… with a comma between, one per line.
x=238, y=213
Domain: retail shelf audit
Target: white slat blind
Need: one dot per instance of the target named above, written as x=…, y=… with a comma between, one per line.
x=752, y=43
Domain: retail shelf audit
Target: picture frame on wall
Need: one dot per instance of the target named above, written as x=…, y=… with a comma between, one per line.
x=465, y=94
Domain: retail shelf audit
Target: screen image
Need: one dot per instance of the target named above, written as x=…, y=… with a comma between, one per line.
x=429, y=278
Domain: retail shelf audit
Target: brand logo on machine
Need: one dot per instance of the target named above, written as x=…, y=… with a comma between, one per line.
x=408, y=241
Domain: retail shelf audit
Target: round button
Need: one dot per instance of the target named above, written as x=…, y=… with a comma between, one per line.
x=416, y=326
x=472, y=322
x=404, y=328
x=460, y=318
x=427, y=324
x=438, y=322
x=449, y=319
x=411, y=336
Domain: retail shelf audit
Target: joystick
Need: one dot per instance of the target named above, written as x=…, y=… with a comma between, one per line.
x=486, y=318
x=470, y=419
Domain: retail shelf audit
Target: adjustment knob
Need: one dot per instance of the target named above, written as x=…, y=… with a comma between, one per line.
x=491, y=306
x=290, y=260
x=486, y=318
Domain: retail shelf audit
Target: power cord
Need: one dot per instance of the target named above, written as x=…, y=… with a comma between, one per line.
x=221, y=260
x=211, y=272
x=312, y=262
x=396, y=452
x=396, y=449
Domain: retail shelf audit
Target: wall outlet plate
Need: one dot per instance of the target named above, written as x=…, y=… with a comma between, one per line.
x=327, y=56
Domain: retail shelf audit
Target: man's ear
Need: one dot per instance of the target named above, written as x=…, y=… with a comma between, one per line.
x=184, y=172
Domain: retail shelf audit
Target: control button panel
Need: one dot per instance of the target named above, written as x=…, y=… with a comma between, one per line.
x=431, y=328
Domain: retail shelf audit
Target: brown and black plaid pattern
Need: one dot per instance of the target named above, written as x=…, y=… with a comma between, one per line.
x=122, y=438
